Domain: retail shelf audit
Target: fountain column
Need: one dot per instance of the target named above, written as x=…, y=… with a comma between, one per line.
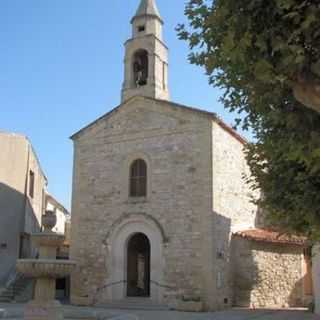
x=45, y=270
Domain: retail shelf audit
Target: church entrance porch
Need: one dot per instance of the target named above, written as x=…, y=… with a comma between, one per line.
x=136, y=262
x=138, y=266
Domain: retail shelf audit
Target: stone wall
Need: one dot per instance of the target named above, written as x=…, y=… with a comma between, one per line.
x=176, y=145
x=231, y=194
x=157, y=85
x=232, y=205
x=267, y=275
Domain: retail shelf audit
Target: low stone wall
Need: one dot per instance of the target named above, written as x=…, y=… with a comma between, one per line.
x=267, y=275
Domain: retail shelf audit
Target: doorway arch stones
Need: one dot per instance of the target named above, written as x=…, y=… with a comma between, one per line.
x=117, y=242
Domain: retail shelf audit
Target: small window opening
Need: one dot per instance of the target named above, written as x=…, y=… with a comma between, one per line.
x=307, y=252
x=141, y=28
x=138, y=179
x=3, y=246
x=140, y=68
x=31, y=184
x=164, y=75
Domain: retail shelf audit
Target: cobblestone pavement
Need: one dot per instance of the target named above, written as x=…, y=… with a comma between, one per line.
x=14, y=312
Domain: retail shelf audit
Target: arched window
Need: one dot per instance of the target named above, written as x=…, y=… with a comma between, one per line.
x=140, y=68
x=138, y=179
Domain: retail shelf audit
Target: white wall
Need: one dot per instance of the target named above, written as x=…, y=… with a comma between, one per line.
x=61, y=219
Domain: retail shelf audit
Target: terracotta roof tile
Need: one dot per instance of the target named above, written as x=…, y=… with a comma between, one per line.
x=264, y=235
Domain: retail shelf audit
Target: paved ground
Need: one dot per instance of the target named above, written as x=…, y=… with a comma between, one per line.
x=14, y=312
x=228, y=315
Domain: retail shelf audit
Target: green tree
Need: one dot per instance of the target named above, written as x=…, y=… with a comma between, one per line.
x=266, y=57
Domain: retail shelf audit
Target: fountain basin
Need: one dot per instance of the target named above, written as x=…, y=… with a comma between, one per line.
x=48, y=239
x=41, y=268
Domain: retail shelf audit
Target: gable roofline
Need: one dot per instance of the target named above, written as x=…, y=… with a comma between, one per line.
x=211, y=115
x=104, y=116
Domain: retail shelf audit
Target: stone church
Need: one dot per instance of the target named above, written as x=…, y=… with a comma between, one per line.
x=161, y=211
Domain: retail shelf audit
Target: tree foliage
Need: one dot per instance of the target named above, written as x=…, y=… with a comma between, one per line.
x=258, y=51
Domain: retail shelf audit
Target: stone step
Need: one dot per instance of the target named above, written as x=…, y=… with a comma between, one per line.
x=7, y=290
x=135, y=304
x=14, y=290
x=12, y=287
x=6, y=294
x=20, y=285
x=11, y=291
x=17, y=288
x=5, y=300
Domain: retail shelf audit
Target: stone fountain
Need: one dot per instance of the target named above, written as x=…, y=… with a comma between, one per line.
x=45, y=271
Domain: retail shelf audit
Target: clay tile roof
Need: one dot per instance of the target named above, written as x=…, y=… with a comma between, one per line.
x=264, y=235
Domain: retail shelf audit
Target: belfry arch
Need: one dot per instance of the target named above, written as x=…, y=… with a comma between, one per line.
x=140, y=66
x=146, y=57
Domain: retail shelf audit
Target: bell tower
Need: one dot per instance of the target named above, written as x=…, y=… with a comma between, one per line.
x=146, y=58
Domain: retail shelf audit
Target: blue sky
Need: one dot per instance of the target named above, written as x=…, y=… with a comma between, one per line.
x=61, y=67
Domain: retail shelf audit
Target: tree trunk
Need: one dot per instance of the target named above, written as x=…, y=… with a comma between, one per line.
x=307, y=91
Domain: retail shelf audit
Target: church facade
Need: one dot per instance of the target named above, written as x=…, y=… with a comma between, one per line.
x=159, y=192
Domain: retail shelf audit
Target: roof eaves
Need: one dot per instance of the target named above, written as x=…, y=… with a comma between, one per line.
x=267, y=236
x=151, y=35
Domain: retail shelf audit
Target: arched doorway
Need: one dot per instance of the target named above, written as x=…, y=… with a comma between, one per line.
x=138, y=266
x=118, y=241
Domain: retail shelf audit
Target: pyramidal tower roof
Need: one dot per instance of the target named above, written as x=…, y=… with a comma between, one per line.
x=147, y=8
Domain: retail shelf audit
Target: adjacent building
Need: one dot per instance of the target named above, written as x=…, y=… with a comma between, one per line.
x=22, y=200
x=63, y=215
x=63, y=226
